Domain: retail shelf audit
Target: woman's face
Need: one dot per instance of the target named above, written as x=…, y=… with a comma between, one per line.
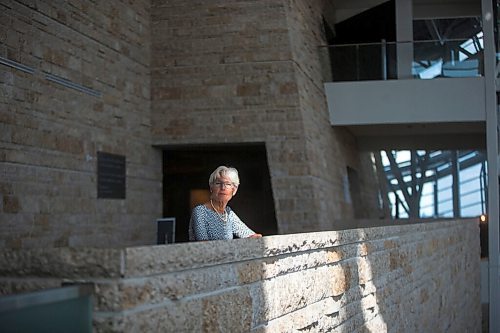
x=223, y=189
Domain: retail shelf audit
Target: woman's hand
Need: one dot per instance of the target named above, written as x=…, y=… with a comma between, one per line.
x=255, y=236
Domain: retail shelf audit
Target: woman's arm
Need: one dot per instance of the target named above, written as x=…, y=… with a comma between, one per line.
x=198, y=224
x=240, y=229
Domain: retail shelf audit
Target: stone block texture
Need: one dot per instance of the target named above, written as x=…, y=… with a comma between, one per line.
x=249, y=71
x=149, y=73
x=50, y=133
x=408, y=278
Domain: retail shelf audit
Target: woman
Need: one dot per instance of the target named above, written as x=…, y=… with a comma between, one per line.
x=214, y=219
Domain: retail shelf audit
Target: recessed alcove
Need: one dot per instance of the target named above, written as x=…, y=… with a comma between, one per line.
x=186, y=169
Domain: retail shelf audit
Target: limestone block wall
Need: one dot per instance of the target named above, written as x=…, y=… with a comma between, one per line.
x=249, y=71
x=330, y=150
x=409, y=278
x=50, y=133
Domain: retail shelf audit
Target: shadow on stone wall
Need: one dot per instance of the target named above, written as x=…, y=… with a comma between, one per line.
x=411, y=281
x=418, y=278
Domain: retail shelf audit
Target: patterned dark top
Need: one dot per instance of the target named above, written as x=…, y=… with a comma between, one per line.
x=205, y=224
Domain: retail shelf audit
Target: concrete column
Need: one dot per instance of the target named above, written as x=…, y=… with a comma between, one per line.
x=492, y=151
x=404, y=37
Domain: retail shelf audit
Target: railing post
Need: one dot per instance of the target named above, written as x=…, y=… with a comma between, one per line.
x=357, y=62
x=383, y=55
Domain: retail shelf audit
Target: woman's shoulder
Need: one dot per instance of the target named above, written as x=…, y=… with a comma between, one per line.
x=200, y=208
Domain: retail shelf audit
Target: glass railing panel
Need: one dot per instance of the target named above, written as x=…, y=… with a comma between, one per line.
x=451, y=58
x=378, y=61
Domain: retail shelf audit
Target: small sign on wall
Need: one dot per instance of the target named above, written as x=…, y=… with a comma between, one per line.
x=111, y=176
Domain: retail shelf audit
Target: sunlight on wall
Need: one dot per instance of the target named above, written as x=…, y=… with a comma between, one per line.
x=374, y=321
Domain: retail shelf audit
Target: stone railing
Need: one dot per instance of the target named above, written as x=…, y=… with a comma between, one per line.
x=410, y=278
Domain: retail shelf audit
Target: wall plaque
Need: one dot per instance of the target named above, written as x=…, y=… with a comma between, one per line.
x=111, y=175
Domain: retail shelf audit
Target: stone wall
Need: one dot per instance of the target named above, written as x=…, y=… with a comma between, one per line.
x=330, y=150
x=50, y=133
x=79, y=77
x=409, y=278
x=249, y=71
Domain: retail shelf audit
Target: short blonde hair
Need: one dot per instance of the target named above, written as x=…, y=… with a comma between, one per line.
x=224, y=171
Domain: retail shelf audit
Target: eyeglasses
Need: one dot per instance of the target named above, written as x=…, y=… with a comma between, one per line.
x=224, y=185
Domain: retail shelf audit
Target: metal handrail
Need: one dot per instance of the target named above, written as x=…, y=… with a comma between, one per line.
x=398, y=42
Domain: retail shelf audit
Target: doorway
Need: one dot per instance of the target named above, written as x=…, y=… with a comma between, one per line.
x=186, y=170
